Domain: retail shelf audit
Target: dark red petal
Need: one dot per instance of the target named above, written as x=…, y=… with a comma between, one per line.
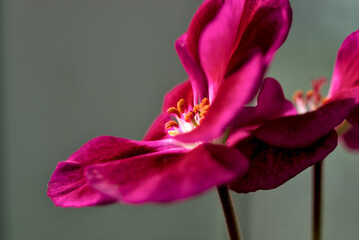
x=353, y=117
x=264, y=26
x=303, y=130
x=157, y=129
x=193, y=69
x=351, y=139
x=234, y=93
x=69, y=188
x=167, y=176
x=181, y=91
x=271, y=166
x=346, y=70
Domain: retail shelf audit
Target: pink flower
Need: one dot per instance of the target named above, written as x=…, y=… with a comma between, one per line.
x=225, y=52
x=309, y=133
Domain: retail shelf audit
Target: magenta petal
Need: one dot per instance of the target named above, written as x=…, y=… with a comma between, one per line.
x=271, y=104
x=303, y=130
x=69, y=188
x=157, y=129
x=270, y=166
x=264, y=26
x=346, y=70
x=181, y=91
x=235, y=92
x=351, y=138
x=205, y=13
x=193, y=69
x=167, y=176
x=216, y=43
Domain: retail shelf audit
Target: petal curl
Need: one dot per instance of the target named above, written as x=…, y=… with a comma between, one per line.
x=303, y=130
x=68, y=186
x=271, y=166
x=234, y=93
x=346, y=70
x=166, y=176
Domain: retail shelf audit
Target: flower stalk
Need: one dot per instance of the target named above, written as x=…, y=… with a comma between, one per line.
x=317, y=201
x=233, y=227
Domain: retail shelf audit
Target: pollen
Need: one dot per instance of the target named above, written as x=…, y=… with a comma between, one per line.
x=203, y=113
x=171, y=124
x=297, y=95
x=173, y=133
x=175, y=111
x=204, y=102
x=189, y=116
x=196, y=109
x=310, y=94
x=180, y=105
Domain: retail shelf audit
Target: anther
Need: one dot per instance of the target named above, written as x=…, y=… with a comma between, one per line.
x=173, y=133
x=196, y=109
x=189, y=116
x=297, y=95
x=180, y=105
x=171, y=124
x=175, y=111
x=310, y=94
x=203, y=113
x=204, y=102
x=205, y=108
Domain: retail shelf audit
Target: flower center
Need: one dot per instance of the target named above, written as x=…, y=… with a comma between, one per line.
x=185, y=121
x=312, y=100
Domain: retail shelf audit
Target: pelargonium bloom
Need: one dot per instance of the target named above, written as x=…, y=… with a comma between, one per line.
x=317, y=116
x=225, y=53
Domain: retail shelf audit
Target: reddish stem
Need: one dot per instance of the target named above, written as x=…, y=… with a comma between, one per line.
x=229, y=213
x=317, y=201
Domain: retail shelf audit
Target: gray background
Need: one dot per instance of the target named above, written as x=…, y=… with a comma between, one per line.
x=76, y=69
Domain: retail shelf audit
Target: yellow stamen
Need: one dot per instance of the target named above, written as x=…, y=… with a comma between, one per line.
x=173, y=133
x=175, y=111
x=310, y=94
x=171, y=124
x=203, y=113
x=189, y=116
x=205, y=108
x=297, y=95
x=204, y=102
x=180, y=105
x=196, y=109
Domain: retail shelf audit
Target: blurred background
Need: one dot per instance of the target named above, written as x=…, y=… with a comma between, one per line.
x=73, y=70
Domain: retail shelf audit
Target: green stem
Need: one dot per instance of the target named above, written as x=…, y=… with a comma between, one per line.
x=317, y=201
x=233, y=227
